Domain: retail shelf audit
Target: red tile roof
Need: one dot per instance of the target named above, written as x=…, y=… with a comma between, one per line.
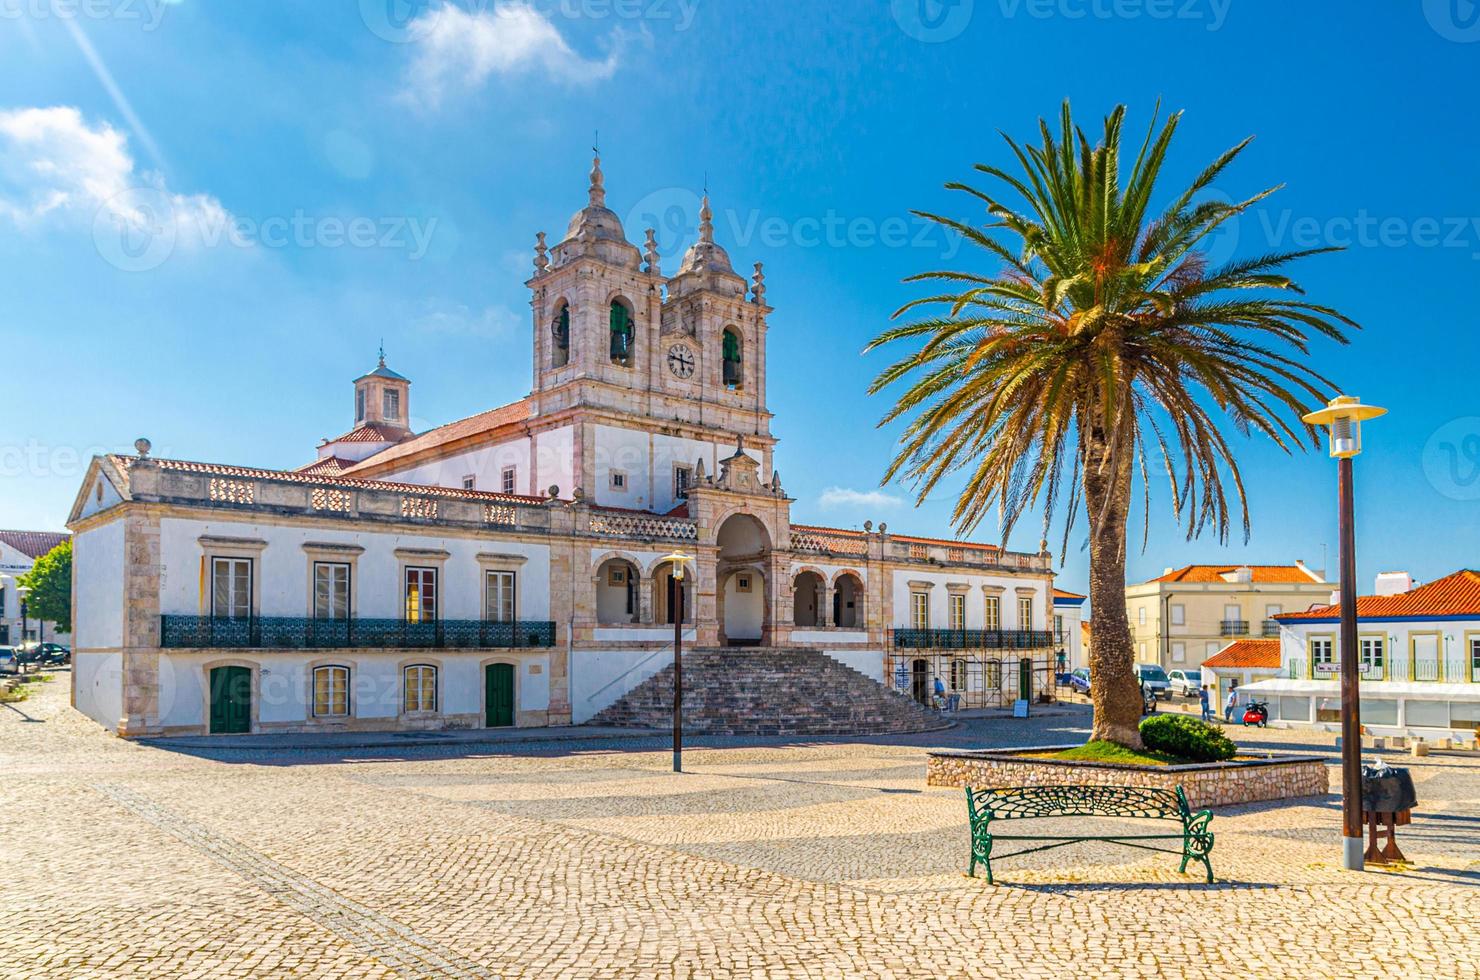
x=445, y=435
x=1247, y=655
x=1263, y=574
x=372, y=432
x=328, y=466
x=1453, y=595
x=33, y=544
x=299, y=476
x=1059, y=593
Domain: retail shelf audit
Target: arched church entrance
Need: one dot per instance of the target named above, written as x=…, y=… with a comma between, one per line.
x=744, y=587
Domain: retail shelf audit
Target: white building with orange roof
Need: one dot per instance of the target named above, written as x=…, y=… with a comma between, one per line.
x=1420, y=660
x=512, y=567
x=1185, y=615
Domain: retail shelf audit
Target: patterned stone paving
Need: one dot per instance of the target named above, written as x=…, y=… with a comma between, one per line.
x=587, y=859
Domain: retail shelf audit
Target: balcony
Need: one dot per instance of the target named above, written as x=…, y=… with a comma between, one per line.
x=927, y=639
x=1234, y=627
x=1269, y=628
x=296, y=633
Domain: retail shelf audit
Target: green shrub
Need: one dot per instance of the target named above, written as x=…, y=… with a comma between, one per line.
x=1186, y=737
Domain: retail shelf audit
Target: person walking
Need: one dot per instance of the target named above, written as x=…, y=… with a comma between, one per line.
x=1204, y=697
x=1230, y=704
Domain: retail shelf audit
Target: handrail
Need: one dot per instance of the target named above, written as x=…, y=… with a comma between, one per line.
x=308, y=633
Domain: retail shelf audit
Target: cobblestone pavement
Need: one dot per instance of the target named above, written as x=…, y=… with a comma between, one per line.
x=592, y=859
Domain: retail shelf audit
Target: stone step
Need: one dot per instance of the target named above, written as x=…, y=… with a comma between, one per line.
x=763, y=690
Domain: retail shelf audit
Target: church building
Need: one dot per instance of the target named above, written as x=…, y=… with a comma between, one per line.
x=517, y=567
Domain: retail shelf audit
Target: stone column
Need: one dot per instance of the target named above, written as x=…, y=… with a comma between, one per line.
x=645, y=598
x=141, y=625
x=563, y=575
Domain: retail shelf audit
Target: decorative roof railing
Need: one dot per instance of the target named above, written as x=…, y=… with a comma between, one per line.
x=828, y=541
x=623, y=524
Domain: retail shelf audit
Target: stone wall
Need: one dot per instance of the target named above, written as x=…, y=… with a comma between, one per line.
x=1207, y=784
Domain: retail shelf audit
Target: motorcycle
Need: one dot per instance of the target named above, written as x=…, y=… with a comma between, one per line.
x=1256, y=713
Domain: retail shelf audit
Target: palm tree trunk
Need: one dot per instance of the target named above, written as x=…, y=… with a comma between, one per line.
x=1114, y=689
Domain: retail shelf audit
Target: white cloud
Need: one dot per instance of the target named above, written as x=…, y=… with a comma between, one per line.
x=492, y=322
x=56, y=167
x=457, y=48
x=834, y=497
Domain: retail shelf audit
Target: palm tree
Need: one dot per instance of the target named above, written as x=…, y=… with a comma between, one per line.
x=1105, y=343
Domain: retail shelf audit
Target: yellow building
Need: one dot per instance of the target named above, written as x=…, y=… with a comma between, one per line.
x=1188, y=614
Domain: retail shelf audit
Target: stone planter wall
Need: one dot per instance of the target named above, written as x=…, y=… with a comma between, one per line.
x=1272, y=777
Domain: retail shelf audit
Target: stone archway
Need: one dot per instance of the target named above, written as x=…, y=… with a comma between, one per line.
x=745, y=590
x=809, y=591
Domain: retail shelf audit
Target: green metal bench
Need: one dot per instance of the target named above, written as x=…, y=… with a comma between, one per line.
x=1042, y=802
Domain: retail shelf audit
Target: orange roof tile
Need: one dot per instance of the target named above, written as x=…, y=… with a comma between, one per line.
x=33, y=544
x=446, y=435
x=1059, y=593
x=1247, y=655
x=1263, y=574
x=328, y=466
x=371, y=432
x=1457, y=594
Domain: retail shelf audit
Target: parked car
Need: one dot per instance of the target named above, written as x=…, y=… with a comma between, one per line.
x=1185, y=682
x=8, y=660
x=1153, y=677
x=1079, y=679
x=54, y=654
x=17, y=660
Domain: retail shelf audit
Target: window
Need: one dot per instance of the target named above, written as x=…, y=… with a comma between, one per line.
x=958, y=675
x=617, y=575
x=1475, y=658
x=507, y=479
x=421, y=688
x=421, y=595
x=391, y=401
x=231, y=588
x=958, y=612
x=1141, y=616
x=1328, y=709
x=683, y=478
x=359, y=404
x=621, y=331
x=1179, y=653
x=330, y=590
x=1141, y=650
x=560, y=332
x=1322, y=654
x=920, y=610
x=1373, y=651
x=730, y=358
x=330, y=692
x=1058, y=627
x=1179, y=614
x=994, y=612
x=619, y=481
x=1294, y=709
x=1272, y=610
x=498, y=590
x=1378, y=711
x=742, y=583
x=1025, y=612
x=470, y=483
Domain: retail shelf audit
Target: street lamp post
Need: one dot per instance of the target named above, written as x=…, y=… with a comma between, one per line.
x=1344, y=417
x=675, y=609
x=23, y=591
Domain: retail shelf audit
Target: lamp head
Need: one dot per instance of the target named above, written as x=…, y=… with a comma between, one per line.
x=678, y=558
x=1343, y=416
x=23, y=590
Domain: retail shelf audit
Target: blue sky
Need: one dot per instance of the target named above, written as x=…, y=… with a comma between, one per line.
x=350, y=171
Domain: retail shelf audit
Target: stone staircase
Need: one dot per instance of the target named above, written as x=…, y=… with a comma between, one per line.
x=768, y=691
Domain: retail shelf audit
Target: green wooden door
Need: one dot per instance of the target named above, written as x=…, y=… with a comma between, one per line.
x=498, y=695
x=231, y=700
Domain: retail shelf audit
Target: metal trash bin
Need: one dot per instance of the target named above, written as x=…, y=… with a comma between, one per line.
x=1388, y=797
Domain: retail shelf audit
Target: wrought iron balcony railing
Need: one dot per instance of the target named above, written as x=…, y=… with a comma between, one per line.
x=1270, y=628
x=1235, y=627
x=297, y=633
x=918, y=639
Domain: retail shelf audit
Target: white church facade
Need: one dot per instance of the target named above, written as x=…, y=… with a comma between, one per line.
x=512, y=568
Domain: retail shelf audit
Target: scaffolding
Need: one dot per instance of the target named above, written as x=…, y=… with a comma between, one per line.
x=972, y=678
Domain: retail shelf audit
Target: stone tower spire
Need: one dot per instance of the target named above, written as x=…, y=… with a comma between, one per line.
x=597, y=193
x=706, y=220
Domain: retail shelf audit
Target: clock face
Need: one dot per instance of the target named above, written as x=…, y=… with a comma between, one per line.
x=681, y=361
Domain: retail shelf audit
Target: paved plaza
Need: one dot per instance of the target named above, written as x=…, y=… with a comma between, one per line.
x=590, y=858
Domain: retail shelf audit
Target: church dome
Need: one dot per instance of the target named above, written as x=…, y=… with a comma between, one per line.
x=596, y=229
x=706, y=255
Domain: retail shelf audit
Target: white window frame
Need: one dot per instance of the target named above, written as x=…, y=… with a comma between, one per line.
x=683, y=480
x=1178, y=612
x=1141, y=616
x=500, y=595
x=1326, y=644
x=509, y=479
x=320, y=591
x=617, y=481
x=418, y=703
x=426, y=611
x=335, y=691
x=1179, y=653
x=233, y=567
x=993, y=617
x=920, y=610
x=470, y=482
x=958, y=611
x=1025, y=612
x=390, y=405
